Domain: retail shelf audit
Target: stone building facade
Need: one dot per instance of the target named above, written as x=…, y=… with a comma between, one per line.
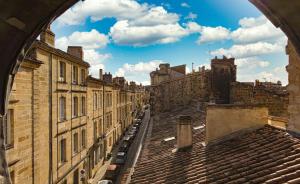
x=203, y=85
x=216, y=85
x=272, y=95
x=61, y=123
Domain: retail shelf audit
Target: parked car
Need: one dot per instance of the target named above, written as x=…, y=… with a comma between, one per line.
x=112, y=172
x=120, y=158
x=132, y=132
x=124, y=147
x=128, y=139
x=136, y=126
x=121, y=155
x=105, y=182
x=139, y=121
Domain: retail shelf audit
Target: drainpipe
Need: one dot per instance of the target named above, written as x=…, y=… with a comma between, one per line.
x=50, y=181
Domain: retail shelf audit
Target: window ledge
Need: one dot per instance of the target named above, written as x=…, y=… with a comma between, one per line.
x=62, y=82
x=62, y=120
x=9, y=146
x=74, y=154
x=60, y=164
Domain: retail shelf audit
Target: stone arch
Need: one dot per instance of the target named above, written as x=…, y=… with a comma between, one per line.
x=21, y=24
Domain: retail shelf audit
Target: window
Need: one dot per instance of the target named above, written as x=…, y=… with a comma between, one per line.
x=101, y=100
x=62, y=108
x=75, y=107
x=75, y=75
x=95, y=130
x=82, y=76
x=83, y=139
x=76, y=177
x=99, y=154
x=62, y=71
x=12, y=177
x=83, y=104
x=110, y=140
x=63, y=153
x=92, y=160
x=75, y=143
x=100, y=127
x=95, y=157
x=101, y=151
x=95, y=101
x=9, y=128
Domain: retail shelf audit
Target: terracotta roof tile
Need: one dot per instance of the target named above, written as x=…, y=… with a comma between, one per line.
x=266, y=155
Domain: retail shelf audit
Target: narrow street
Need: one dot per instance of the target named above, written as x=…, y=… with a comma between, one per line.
x=134, y=150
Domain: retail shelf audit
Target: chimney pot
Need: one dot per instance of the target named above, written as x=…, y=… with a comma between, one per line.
x=184, y=132
x=101, y=74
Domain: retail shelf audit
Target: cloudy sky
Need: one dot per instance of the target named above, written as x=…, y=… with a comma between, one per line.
x=132, y=37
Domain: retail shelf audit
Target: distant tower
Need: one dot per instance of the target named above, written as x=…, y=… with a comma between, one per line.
x=223, y=72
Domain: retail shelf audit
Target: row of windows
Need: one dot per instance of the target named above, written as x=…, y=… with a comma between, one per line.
x=108, y=120
x=97, y=100
x=97, y=155
x=98, y=128
x=75, y=143
x=108, y=99
x=75, y=107
x=75, y=80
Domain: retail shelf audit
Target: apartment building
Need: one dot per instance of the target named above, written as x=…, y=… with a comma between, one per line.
x=61, y=123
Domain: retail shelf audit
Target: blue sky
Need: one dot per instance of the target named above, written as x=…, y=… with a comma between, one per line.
x=130, y=38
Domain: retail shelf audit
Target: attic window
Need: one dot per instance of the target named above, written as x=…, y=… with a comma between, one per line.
x=169, y=139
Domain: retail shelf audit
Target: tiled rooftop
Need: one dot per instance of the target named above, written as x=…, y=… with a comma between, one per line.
x=265, y=155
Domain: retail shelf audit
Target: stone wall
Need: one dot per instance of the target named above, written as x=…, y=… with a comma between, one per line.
x=180, y=92
x=238, y=117
x=274, y=97
x=293, y=70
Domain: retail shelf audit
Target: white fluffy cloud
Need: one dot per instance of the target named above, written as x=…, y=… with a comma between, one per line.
x=212, y=34
x=249, y=50
x=271, y=76
x=100, y=9
x=255, y=29
x=208, y=34
x=137, y=23
x=88, y=40
x=251, y=63
x=138, y=72
x=191, y=16
x=185, y=5
x=124, y=34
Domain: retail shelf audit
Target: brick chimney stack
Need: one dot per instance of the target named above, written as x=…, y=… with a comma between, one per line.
x=101, y=74
x=76, y=51
x=184, y=133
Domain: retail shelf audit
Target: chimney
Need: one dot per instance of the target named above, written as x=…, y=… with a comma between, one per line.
x=76, y=51
x=47, y=36
x=107, y=77
x=101, y=74
x=184, y=133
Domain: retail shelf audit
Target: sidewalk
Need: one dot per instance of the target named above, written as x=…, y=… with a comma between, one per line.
x=101, y=172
